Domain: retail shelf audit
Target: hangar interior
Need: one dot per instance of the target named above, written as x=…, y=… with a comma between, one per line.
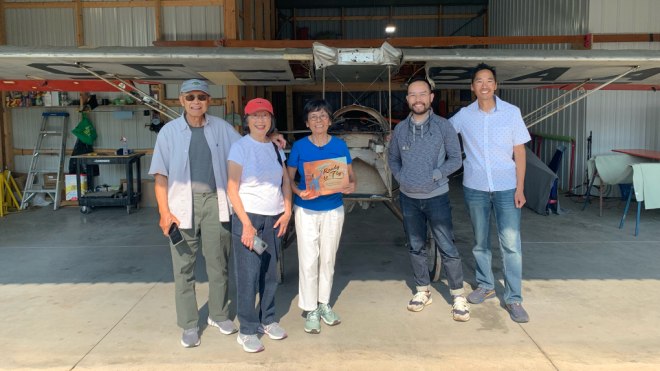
x=615, y=119
x=77, y=288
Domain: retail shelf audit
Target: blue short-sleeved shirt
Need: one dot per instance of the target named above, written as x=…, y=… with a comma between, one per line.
x=305, y=151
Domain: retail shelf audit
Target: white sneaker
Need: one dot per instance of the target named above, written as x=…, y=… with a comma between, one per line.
x=226, y=327
x=419, y=301
x=274, y=331
x=461, y=309
x=250, y=343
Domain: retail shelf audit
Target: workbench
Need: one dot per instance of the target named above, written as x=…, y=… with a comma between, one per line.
x=88, y=201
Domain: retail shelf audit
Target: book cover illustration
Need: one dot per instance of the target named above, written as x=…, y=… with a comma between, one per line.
x=326, y=177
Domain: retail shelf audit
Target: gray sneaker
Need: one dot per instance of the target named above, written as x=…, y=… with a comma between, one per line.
x=250, y=343
x=273, y=330
x=226, y=327
x=190, y=338
x=479, y=295
x=517, y=313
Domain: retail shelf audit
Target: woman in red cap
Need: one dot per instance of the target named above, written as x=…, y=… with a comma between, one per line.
x=260, y=193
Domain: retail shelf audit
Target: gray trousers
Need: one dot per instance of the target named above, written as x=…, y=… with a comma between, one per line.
x=214, y=238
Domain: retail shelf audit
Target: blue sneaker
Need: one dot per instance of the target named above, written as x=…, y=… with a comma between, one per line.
x=518, y=314
x=479, y=295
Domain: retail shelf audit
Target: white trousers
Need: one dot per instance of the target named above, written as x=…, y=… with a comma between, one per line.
x=318, y=234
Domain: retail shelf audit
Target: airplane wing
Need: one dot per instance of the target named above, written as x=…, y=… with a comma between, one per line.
x=33, y=66
x=55, y=68
x=526, y=69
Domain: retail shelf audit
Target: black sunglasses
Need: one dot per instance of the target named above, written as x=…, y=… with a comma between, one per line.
x=200, y=97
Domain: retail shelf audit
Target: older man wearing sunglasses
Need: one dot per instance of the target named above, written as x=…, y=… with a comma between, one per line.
x=190, y=167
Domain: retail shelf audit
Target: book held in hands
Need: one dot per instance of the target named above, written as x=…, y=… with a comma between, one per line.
x=325, y=177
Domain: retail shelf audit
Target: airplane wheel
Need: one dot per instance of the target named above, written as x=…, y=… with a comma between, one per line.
x=433, y=257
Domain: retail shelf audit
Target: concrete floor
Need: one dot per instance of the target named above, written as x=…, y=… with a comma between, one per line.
x=95, y=292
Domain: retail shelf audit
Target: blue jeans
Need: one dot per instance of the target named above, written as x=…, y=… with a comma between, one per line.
x=437, y=212
x=507, y=219
x=254, y=271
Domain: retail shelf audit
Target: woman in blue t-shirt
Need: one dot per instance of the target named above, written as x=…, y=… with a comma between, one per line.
x=319, y=219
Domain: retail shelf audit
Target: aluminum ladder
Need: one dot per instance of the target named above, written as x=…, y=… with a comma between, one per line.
x=30, y=188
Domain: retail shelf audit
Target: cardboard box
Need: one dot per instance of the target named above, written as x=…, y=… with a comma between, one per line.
x=20, y=179
x=50, y=180
x=148, y=191
x=72, y=186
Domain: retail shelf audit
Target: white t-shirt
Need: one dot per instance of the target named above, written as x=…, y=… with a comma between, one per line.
x=260, y=188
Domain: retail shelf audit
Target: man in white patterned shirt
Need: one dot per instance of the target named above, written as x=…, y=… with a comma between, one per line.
x=494, y=135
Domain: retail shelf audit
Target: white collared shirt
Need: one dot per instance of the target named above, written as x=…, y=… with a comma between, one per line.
x=488, y=141
x=171, y=159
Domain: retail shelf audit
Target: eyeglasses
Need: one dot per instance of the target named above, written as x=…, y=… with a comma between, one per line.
x=200, y=97
x=262, y=117
x=321, y=117
x=415, y=95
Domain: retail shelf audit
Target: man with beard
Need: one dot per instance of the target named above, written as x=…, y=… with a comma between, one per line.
x=424, y=151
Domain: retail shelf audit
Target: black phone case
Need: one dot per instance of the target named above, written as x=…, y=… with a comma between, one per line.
x=175, y=235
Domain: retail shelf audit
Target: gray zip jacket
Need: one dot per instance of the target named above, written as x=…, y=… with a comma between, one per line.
x=417, y=156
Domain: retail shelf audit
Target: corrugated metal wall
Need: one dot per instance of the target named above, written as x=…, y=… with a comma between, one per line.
x=36, y=27
x=375, y=29
x=537, y=18
x=543, y=18
x=624, y=119
x=119, y=26
x=193, y=23
x=624, y=16
x=106, y=27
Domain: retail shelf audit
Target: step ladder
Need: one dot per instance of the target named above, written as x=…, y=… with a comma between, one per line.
x=32, y=189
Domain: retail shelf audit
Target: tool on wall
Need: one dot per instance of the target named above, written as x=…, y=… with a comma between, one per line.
x=155, y=122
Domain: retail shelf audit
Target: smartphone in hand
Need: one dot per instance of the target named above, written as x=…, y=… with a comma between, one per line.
x=259, y=246
x=175, y=235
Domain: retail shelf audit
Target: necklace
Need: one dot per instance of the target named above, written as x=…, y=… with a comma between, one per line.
x=320, y=145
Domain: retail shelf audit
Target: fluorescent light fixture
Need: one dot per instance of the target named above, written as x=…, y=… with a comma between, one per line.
x=390, y=28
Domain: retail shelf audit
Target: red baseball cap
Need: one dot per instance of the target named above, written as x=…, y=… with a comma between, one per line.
x=258, y=104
